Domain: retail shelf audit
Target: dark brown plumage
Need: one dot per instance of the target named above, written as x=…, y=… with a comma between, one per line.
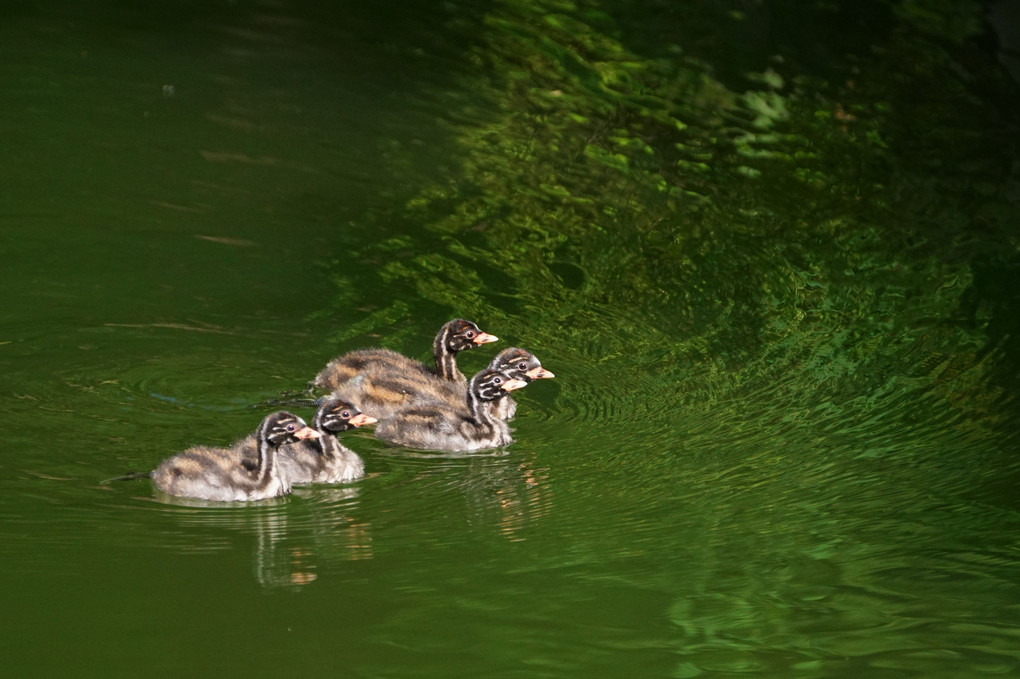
x=380, y=381
x=384, y=393
x=442, y=426
x=226, y=474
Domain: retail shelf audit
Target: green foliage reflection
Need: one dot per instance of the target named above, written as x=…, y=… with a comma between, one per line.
x=816, y=232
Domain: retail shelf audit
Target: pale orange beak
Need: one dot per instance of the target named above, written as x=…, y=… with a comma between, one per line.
x=306, y=433
x=539, y=373
x=511, y=385
x=361, y=419
x=484, y=338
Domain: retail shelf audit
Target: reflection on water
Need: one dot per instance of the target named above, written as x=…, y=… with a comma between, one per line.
x=289, y=551
x=496, y=492
x=290, y=536
x=310, y=534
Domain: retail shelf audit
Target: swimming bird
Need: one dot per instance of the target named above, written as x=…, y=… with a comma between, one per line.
x=519, y=364
x=226, y=474
x=384, y=393
x=325, y=459
x=455, y=336
x=441, y=426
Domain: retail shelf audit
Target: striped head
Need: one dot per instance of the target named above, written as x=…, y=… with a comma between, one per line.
x=520, y=364
x=281, y=428
x=336, y=415
x=492, y=385
x=459, y=335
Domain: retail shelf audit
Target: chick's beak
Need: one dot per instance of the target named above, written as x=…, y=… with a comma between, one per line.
x=510, y=385
x=484, y=338
x=362, y=419
x=306, y=433
x=539, y=373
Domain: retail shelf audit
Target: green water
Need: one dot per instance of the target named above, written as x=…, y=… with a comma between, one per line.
x=770, y=251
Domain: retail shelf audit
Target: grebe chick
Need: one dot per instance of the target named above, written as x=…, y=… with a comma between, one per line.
x=383, y=394
x=438, y=426
x=455, y=336
x=521, y=365
x=224, y=474
x=325, y=460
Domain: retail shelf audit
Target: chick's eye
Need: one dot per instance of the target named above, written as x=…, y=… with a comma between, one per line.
x=523, y=367
x=291, y=427
x=470, y=334
x=345, y=414
x=497, y=380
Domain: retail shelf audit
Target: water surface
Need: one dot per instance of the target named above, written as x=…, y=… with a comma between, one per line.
x=770, y=255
